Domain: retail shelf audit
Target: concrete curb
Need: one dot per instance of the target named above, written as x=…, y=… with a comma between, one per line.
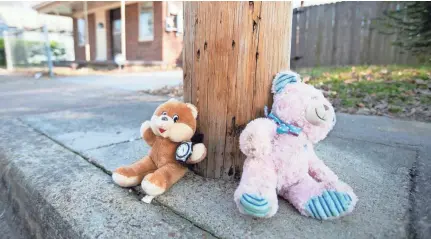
x=57, y=194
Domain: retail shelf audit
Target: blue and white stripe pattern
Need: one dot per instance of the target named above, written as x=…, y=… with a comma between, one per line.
x=284, y=78
x=330, y=204
x=254, y=205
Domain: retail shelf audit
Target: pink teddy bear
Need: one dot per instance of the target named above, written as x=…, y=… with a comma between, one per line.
x=281, y=159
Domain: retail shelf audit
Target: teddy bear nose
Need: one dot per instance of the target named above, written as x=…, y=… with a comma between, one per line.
x=326, y=107
x=164, y=118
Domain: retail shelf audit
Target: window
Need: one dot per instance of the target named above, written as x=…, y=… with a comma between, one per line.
x=146, y=21
x=81, y=32
x=174, y=20
x=174, y=23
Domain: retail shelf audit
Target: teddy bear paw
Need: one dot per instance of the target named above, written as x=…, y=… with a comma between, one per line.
x=144, y=126
x=254, y=205
x=199, y=153
x=329, y=205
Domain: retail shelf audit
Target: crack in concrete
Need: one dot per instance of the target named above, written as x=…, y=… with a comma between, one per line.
x=411, y=147
x=413, y=173
x=112, y=144
x=185, y=218
x=1, y=215
x=136, y=192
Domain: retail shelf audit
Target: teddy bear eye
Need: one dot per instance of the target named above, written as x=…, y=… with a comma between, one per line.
x=176, y=118
x=164, y=113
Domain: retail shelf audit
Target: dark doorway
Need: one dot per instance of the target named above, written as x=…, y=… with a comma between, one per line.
x=115, y=16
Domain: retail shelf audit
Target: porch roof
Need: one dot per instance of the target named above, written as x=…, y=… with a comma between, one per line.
x=75, y=8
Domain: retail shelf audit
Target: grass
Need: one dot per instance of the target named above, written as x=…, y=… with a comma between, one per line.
x=397, y=91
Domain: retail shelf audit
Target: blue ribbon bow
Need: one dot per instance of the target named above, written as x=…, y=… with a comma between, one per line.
x=282, y=127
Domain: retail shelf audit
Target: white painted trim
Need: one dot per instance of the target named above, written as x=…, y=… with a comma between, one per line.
x=101, y=39
x=123, y=29
x=106, y=7
x=87, y=37
x=80, y=44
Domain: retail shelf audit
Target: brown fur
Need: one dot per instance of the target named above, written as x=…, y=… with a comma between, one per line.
x=160, y=167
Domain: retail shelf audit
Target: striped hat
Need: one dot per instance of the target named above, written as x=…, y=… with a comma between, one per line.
x=282, y=79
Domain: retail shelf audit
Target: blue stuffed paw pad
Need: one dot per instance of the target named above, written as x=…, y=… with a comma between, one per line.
x=329, y=205
x=254, y=205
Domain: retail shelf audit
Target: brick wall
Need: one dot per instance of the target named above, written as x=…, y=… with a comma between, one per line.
x=92, y=35
x=80, y=50
x=149, y=51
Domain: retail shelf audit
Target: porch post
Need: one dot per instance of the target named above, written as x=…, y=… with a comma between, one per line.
x=123, y=29
x=87, y=41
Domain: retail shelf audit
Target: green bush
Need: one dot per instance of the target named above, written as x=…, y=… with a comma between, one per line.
x=2, y=53
x=26, y=52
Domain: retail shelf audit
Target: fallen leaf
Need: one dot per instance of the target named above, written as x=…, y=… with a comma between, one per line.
x=384, y=71
x=423, y=92
x=368, y=99
x=351, y=110
x=361, y=105
x=324, y=87
x=364, y=111
x=420, y=82
x=409, y=92
x=412, y=111
x=381, y=106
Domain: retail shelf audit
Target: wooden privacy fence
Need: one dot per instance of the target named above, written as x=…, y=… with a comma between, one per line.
x=344, y=33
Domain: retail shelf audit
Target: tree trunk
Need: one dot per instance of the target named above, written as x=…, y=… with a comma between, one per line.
x=232, y=51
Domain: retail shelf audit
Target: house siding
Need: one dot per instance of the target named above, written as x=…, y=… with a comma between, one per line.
x=172, y=48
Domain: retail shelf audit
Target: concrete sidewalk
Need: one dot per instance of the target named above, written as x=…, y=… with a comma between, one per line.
x=386, y=161
x=24, y=96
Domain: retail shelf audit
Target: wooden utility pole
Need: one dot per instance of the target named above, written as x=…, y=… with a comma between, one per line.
x=232, y=51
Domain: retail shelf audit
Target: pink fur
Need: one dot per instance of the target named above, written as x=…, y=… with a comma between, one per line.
x=285, y=164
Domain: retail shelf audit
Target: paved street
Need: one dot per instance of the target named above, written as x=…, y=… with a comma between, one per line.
x=66, y=134
x=129, y=81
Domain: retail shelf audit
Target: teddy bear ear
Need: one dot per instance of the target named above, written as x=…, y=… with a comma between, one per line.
x=193, y=109
x=282, y=79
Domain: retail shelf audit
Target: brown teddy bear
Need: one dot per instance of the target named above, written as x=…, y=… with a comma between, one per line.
x=171, y=127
